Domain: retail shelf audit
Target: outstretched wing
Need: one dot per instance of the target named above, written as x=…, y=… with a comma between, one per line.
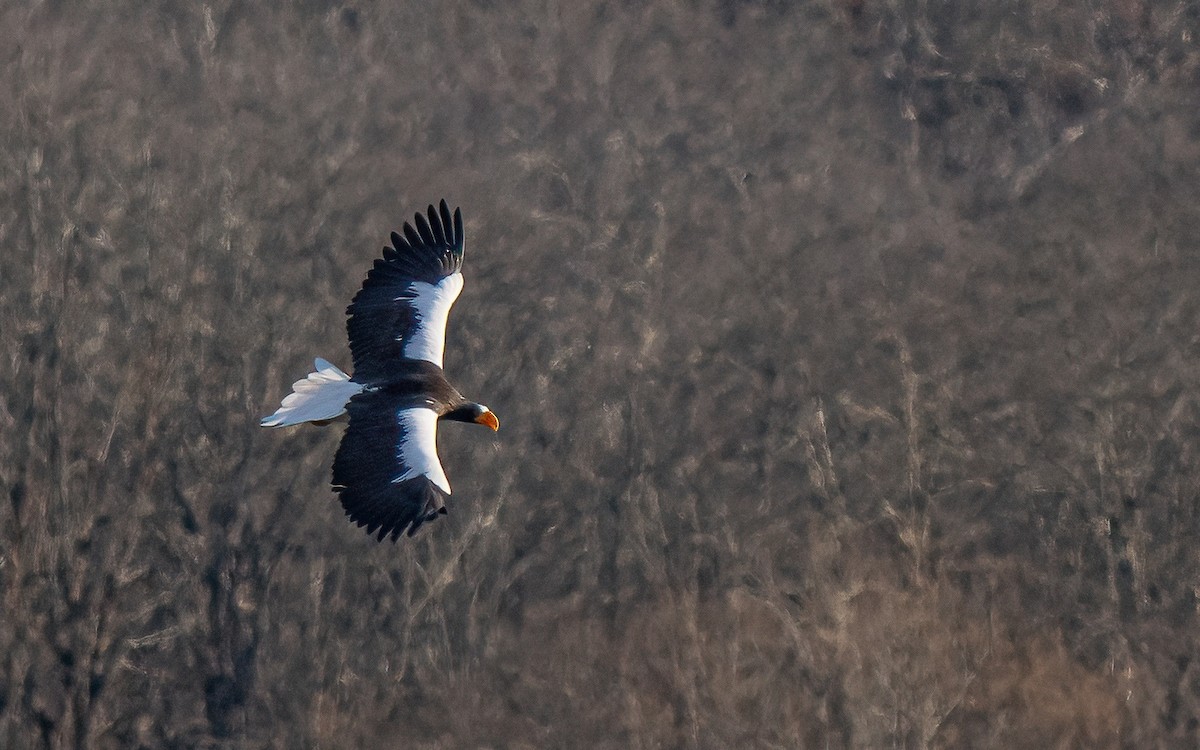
x=386, y=472
x=401, y=310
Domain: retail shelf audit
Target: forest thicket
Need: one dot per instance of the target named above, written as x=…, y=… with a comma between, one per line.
x=847, y=356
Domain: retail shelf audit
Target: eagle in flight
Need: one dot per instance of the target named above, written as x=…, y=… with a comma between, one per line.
x=386, y=472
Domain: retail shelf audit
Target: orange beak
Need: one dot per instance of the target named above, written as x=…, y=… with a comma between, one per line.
x=488, y=419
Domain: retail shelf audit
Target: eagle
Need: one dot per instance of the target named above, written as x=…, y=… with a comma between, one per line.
x=386, y=472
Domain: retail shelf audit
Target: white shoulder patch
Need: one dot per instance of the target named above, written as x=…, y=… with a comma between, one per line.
x=432, y=303
x=418, y=451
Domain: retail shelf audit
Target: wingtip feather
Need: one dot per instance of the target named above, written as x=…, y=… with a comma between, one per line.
x=424, y=230
x=447, y=221
x=411, y=235
x=435, y=223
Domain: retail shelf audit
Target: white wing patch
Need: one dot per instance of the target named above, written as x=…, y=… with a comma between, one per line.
x=431, y=303
x=418, y=449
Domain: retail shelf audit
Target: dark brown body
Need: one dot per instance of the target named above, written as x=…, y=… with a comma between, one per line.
x=417, y=382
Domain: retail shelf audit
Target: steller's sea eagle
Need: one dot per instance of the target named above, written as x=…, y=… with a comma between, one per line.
x=386, y=472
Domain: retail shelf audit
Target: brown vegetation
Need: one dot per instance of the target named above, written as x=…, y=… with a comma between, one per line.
x=846, y=353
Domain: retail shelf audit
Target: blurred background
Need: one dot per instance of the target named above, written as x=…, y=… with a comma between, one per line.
x=845, y=353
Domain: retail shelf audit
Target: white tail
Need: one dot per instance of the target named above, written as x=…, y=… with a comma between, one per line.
x=322, y=395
